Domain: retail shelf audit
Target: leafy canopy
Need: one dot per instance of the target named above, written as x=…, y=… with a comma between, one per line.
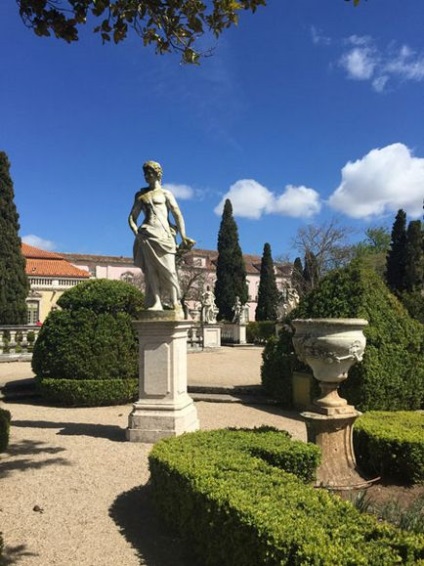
x=171, y=25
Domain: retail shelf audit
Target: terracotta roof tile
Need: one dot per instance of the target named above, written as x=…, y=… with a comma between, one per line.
x=53, y=268
x=29, y=251
x=41, y=263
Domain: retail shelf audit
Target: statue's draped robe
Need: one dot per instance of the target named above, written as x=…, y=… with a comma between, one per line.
x=154, y=252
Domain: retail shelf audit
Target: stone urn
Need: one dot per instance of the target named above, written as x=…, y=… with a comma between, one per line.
x=330, y=346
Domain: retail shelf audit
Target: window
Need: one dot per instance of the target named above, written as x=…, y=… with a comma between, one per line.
x=33, y=312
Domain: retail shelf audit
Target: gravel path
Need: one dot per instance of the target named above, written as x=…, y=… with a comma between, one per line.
x=73, y=492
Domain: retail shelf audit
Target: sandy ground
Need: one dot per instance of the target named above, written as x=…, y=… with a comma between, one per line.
x=73, y=492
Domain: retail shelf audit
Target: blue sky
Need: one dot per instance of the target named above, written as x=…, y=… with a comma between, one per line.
x=306, y=111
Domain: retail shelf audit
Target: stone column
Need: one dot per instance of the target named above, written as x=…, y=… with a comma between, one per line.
x=164, y=407
x=333, y=434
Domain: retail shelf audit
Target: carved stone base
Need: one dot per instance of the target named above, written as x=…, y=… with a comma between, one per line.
x=164, y=408
x=211, y=336
x=333, y=434
x=150, y=422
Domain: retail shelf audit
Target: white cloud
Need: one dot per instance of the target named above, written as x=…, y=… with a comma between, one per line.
x=383, y=181
x=38, y=242
x=318, y=38
x=364, y=61
x=298, y=202
x=183, y=192
x=359, y=62
x=250, y=199
x=405, y=64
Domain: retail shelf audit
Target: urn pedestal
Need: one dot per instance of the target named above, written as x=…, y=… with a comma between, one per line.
x=164, y=407
x=330, y=347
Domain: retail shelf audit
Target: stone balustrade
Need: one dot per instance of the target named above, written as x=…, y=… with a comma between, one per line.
x=17, y=342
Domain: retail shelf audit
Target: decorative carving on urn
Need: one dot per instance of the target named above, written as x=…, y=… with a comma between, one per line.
x=330, y=346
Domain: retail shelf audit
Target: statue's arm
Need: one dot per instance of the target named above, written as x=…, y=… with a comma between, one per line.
x=134, y=214
x=173, y=207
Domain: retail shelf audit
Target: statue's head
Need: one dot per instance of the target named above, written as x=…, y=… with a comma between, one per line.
x=155, y=167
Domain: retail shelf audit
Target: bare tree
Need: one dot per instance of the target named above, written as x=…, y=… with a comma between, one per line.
x=193, y=280
x=328, y=242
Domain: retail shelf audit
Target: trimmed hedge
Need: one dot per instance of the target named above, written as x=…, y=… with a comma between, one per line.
x=103, y=296
x=83, y=345
x=88, y=392
x=5, y=418
x=391, y=444
x=260, y=331
x=391, y=375
x=91, y=340
x=234, y=507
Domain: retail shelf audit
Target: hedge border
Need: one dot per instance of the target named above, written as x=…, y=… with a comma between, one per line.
x=88, y=392
x=5, y=418
x=391, y=444
x=235, y=508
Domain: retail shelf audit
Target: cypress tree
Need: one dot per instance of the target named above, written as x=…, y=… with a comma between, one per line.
x=414, y=257
x=395, y=264
x=266, y=308
x=310, y=271
x=14, y=285
x=297, y=277
x=230, y=269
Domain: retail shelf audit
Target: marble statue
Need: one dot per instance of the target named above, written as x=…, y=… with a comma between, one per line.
x=209, y=308
x=155, y=244
x=240, y=312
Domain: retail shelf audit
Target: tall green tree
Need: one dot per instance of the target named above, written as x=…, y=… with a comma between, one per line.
x=14, y=285
x=414, y=257
x=310, y=271
x=395, y=265
x=373, y=250
x=268, y=295
x=297, y=277
x=230, y=268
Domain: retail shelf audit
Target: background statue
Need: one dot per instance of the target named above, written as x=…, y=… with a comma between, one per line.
x=240, y=312
x=209, y=308
x=155, y=240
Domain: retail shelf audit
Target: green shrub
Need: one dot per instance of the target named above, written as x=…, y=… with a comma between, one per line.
x=88, y=392
x=83, y=345
x=413, y=301
x=234, y=507
x=4, y=429
x=391, y=445
x=391, y=375
x=30, y=340
x=260, y=331
x=103, y=296
x=89, y=342
x=279, y=363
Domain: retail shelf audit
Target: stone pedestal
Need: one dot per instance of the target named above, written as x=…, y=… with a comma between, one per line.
x=240, y=333
x=333, y=434
x=211, y=336
x=234, y=333
x=164, y=408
